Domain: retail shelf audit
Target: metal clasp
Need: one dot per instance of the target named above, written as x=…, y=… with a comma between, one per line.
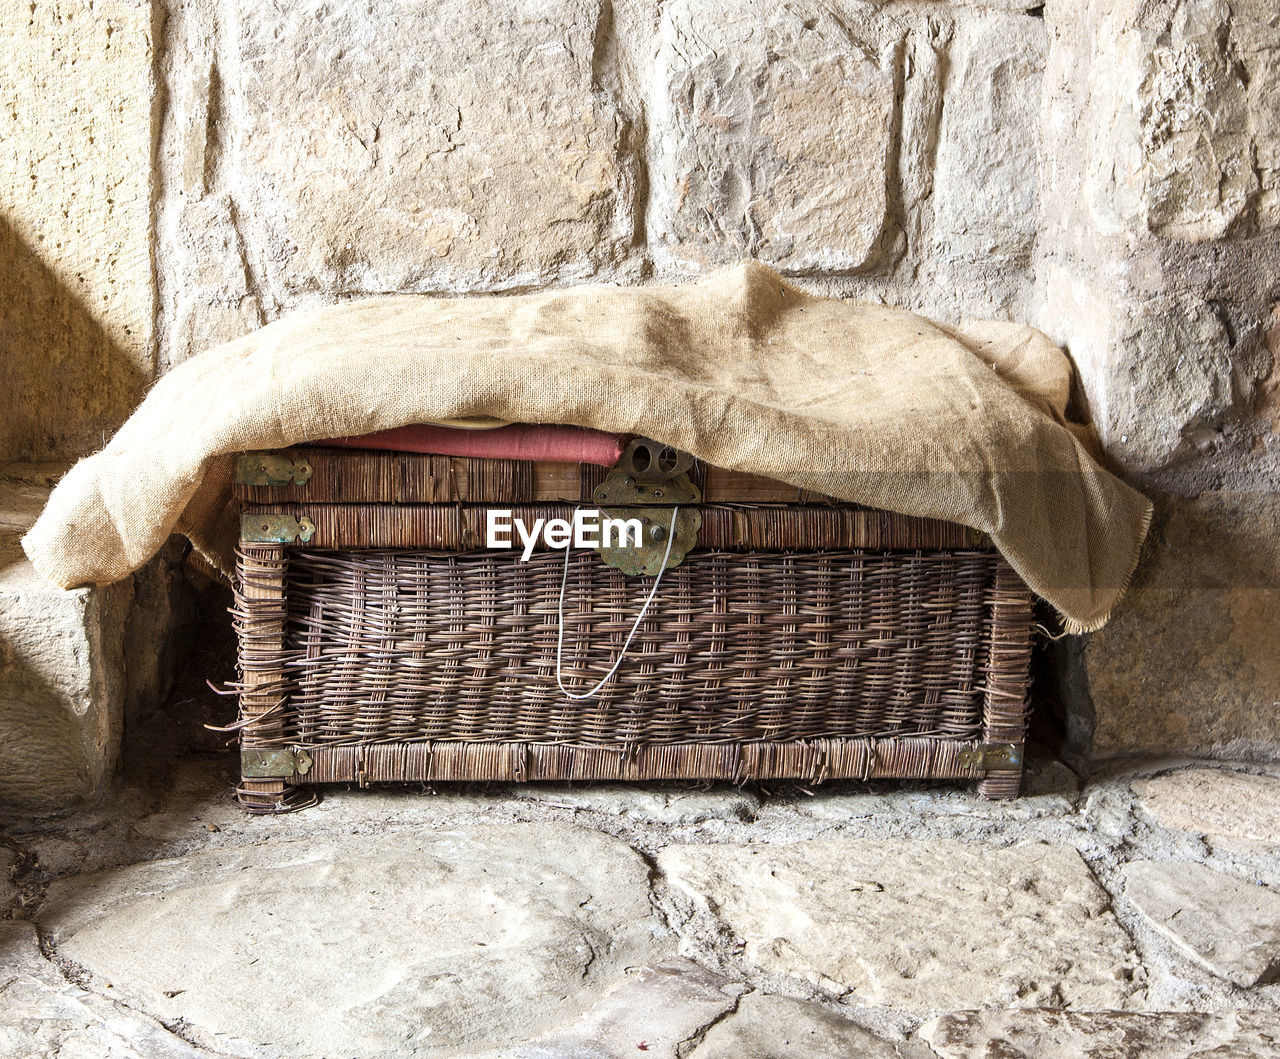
x=649, y=480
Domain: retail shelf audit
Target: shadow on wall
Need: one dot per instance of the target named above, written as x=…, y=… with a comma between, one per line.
x=1188, y=663
x=66, y=384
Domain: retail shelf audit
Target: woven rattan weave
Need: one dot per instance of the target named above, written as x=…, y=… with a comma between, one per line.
x=797, y=640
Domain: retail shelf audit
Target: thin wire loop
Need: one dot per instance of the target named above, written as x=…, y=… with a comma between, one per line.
x=564, y=578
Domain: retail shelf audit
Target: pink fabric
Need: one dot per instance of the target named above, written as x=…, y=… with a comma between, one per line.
x=520, y=441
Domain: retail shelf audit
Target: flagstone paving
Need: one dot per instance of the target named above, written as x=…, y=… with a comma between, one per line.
x=1217, y=802
x=917, y=925
x=1228, y=924
x=570, y=922
x=459, y=938
x=1102, y=1035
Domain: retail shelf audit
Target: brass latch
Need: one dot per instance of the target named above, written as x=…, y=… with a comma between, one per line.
x=276, y=529
x=991, y=757
x=271, y=468
x=649, y=480
x=274, y=764
x=978, y=539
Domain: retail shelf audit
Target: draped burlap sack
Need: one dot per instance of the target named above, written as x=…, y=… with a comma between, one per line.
x=870, y=404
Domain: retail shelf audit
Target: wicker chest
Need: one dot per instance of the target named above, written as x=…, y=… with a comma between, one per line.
x=789, y=636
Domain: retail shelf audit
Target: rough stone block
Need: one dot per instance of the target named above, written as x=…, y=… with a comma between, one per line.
x=1181, y=115
x=654, y=1012
x=72, y=663
x=1170, y=341
x=41, y=1013
x=981, y=220
x=482, y=155
x=1100, y=1034
x=210, y=283
x=770, y=133
x=766, y=1026
x=1215, y=802
x=1230, y=926
x=985, y=181
x=62, y=673
x=1150, y=268
x=1188, y=663
x=75, y=201
x=917, y=924
x=1160, y=372
x=1255, y=36
x=470, y=939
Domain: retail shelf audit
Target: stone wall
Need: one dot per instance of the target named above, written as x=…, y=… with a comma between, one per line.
x=1158, y=264
x=1105, y=169
x=77, y=293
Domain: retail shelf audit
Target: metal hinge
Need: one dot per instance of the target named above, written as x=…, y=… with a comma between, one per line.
x=276, y=529
x=274, y=764
x=991, y=757
x=271, y=468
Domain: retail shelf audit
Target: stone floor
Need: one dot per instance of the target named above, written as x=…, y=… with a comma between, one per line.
x=1138, y=915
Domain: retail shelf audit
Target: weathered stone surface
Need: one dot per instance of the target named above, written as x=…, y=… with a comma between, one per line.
x=1100, y=1034
x=482, y=155
x=73, y=664
x=1267, y=392
x=924, y=55
x=157, y=634
x=1051, y=780
x=8, y=887
x=75, y=183
x=211, y=288
x=1182, y=101
x=1230, y=926
x=653, y=1012
x=1172, y=384
x=658, y=805
x=62, y=671
x=42, y=1014
x=1145, y=274
x=769, y=136
x=1108, y=813
x=917, y=924
x=1161, y=373
x=1215, y=802
x=1137, y=140
x=1188, y=662
x=1183, y=92
x=843, y=805
x=980, y=223
x=208, y=294
x=1256, y=40
x=770, y=1027
x=466, y=939
x=985, y=182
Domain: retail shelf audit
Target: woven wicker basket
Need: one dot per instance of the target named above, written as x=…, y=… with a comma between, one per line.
x=799, y=638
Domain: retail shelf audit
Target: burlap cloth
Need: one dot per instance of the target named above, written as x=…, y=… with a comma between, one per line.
x=870, y=404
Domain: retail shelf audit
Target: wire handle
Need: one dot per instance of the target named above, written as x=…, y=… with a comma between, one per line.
x=564, y=579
